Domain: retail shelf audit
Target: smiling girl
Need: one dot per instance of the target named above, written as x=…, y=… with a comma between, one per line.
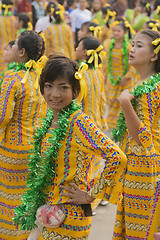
x=64, y=147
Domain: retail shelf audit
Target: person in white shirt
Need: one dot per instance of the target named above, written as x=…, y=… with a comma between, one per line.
x=43, y=23
x=78, y=17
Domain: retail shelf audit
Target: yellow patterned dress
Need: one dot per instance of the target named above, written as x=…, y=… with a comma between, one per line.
x=7, y=34
x=59, y=40
x=134, y=220
x=21, y=108
x=94, y=104
x=113, y=92
x=105, y=33
x=83, y=142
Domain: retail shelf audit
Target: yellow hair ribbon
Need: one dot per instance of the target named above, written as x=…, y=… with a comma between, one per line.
x=109, y=14
x=107, y=5
x=156, y=42
x=94, y=55
x=30, y=27
x=154, y=26
x=115, y=23
x=148, y=6
x=61, y=11
x=6, y=7
x=158, y=9
x=29, y=64
x=128, y=25
x=83, y=84
x=39, y=67
x=52, y=9
x=95, y=30
x=95, y=21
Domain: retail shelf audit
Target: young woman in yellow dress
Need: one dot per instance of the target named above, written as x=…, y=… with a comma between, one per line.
x=116, y=68
x=21, y=109
x=138, y=132
x=59, y=37
x=65, y=145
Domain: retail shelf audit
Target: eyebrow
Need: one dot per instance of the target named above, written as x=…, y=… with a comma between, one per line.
x=63, y=83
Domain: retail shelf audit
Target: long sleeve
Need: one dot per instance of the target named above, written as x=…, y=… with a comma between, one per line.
x=148, y=109
x=109, y=183
x=7, y=101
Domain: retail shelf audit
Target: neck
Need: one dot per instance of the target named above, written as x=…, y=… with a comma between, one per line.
x=119, y=41
x=145, y=74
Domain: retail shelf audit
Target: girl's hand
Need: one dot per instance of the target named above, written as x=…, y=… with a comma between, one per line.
x=76, y=195
x=125, y=96
x=157, y=236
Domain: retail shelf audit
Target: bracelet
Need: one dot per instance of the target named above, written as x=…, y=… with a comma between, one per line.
x=86, y=195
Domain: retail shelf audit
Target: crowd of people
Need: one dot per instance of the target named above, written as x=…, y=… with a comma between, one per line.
x=62, y=64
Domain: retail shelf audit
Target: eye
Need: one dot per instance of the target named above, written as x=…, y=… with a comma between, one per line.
x=64, y=87
x=47, y=85
x=139, y=45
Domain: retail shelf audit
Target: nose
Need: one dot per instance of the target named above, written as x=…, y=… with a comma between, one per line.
x=55, y=93
x=132, y=50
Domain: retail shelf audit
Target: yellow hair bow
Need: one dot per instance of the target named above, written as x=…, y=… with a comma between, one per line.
x=52, y=10
x=158, y=9
x=39, y=67
x=61, y=11
x=83, y=84
x=95, y=21
x=154, y=26
x=30, y=27
x=29, y=64
x=109, y=14
x=128, y=25
x=156, y=42
x=95, y=30
x=148, y=6
x=94, y=55
x=107, y=5
x=6, y=7
x=115, y=23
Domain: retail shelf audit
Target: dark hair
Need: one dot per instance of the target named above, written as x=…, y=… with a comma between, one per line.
x=143, y=4
x=11, y=43
x=6, y=2
x=123, y=26
x=32, y=43
x=48, y=9
x=69, y=3
x=60, y=66
x=57, y=16
x=24, y=18
x=154, y=22
x=153, y=35
x=105, y=12
x=89, y=24
x=91, y=43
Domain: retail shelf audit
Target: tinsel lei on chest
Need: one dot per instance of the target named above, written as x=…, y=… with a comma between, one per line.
x=41, y=169
x=125, y=59
x=145, y=87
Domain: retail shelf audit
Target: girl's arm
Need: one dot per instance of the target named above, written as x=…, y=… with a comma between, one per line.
x=132, y=120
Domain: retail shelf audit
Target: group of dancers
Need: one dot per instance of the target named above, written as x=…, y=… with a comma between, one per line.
x=53, y=100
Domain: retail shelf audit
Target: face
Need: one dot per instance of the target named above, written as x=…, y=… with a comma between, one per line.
x=118, y=32
x=7, y=54
x=58, y=94
x=18, y=24
x=15, y=51
x=80, y=52
x=141, y=52
x=82, y=4
x=82, y=33
x=97, y=5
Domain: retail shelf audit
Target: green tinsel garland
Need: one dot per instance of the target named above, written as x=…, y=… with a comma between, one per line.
x=42, y=169
x=147, y=86
x=14, y=66
x=125, y=59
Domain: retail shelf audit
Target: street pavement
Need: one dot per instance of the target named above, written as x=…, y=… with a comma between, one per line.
x=103, y=223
